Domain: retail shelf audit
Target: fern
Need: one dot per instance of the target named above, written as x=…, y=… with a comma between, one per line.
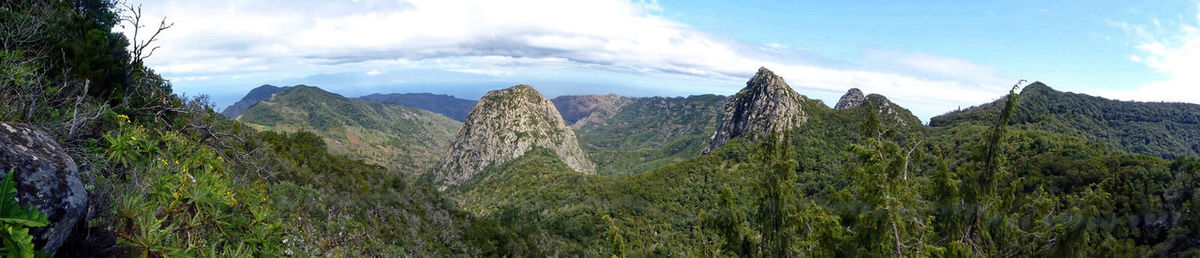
x=15, y=221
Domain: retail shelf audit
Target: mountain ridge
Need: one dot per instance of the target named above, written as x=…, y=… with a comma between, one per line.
x=253, y=97
x=400, y=138
x=1163, y=129
x=448, y=105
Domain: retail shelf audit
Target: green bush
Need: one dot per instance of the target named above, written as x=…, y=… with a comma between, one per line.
x=15, y=221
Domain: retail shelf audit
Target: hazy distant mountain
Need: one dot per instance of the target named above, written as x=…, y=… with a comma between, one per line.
x=502, y=126
x=574, y=108
x=1161, y=129
x=450, y=106
x=401, y=138
x=255, y=95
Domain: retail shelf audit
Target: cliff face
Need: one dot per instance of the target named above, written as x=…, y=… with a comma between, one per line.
x=502, y=126
x=767, y=104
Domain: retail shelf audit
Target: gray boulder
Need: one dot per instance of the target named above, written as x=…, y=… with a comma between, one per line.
x=46, y=178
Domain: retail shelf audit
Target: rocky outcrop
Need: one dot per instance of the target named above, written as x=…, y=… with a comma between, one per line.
x=502, y=126
x=255, y=95
x=853, y=98
x=767, y=104
x=46, y=178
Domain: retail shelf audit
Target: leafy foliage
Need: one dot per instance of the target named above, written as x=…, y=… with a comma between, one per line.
x=15, y=221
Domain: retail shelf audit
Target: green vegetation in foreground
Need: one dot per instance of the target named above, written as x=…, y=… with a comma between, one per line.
x=16, y=220
x=404, y=139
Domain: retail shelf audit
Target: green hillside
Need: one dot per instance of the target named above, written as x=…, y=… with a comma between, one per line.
x=642, y=134
x=404, y=139
x=1168, y=130
x=845, y=185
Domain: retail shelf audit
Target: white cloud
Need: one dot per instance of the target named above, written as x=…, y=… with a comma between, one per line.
x=496, y=38
x=373, y=73
x=1172, y=51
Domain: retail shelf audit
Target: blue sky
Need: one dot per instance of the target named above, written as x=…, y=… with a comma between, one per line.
x=928, y=56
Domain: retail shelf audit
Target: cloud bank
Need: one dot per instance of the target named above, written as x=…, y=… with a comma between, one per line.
x=1172, y=49
x=505, y=39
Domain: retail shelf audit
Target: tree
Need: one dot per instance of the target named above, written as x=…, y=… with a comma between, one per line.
x=777, y=204
x=730, y=223
x=15, y=221
x=618, y=242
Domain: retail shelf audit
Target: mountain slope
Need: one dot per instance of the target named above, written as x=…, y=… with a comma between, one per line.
x=503, y=125
x=888, y=113
x=574, y=108
x=626, y=135
x=1166, y=130
x=450, y=106
x=766, y=105
x=253, y=97
x=400, y=138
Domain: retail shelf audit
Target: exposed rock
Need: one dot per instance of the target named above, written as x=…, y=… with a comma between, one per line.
x=766, y=105
x=255, y=95
x=46, y=178
x=502, y=126
x=853, y=98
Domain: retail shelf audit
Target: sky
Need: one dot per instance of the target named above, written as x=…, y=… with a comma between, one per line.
x=928, y=56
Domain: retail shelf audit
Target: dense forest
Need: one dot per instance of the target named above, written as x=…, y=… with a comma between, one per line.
x=166, y=175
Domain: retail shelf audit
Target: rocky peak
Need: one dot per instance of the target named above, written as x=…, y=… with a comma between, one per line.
x=767, y=104
x=502, y=126
x=853, y=98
